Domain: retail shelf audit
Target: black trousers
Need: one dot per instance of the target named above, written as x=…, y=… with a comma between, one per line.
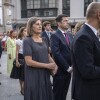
x=61, y=86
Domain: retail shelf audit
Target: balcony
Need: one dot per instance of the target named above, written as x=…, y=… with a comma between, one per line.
x=51, y=12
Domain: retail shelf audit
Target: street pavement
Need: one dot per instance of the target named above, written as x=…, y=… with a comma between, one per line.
x=10, y=89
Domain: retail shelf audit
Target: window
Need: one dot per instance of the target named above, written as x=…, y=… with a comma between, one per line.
x=44, y=3
x=23, y=9
x=86, y=3
x=42, y=13
x=36, y=3
x=52, y=3
x=39, y=8
x=29, y=4
x=29, y=13
x=48, y=13
x=66, y=7
x=36, y=13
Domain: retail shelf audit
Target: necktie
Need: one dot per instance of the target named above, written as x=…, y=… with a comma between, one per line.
x=49, y=34
x=67, y=39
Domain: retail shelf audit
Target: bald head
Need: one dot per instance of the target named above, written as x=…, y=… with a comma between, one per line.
x=92, y=10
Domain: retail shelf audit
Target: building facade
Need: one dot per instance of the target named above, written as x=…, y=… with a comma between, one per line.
x=8, y=15
x=1, y=18
x=1, y=21
x=21, y=10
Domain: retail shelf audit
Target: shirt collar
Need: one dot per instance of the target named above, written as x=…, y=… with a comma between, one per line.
x=92, y=28
x=62, y=30
x=47, y=31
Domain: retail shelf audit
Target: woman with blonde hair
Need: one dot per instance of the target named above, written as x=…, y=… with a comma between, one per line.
x=77, y=27
x=39, y=63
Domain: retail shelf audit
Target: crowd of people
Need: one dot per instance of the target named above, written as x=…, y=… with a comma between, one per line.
x=33, y=55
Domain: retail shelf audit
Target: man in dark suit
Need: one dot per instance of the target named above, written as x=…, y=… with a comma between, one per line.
x=0, y=53
x=47, y=31
x=60, y=47
x=86, y=57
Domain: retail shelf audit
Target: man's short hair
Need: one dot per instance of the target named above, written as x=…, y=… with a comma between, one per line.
x=45, y=23
x=92, y=9
x=59, y=17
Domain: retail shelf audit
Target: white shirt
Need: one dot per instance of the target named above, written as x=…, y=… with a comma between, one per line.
x=48, y=33
x=62, y=32
x=92, y=28
x=19, y=42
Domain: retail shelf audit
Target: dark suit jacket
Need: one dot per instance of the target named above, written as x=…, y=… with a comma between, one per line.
x=0, y=48
x=44, y=34
x=86, y=65
x=61, y=51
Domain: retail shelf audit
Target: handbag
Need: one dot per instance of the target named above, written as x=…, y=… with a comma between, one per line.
x=15, y=73
x=21, y=61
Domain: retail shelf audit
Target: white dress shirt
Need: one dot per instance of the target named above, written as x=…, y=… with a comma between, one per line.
x=19, y=42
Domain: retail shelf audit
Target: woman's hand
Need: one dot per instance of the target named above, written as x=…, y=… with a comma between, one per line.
x=17, y=64
x=53, y=67
x=9, y=56
x=55, y=70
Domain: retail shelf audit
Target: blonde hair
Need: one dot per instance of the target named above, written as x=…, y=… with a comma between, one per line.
x=30, y=23
x=78, y=27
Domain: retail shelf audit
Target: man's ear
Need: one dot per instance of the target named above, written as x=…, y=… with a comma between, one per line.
x=98, y=15
x=58, y=23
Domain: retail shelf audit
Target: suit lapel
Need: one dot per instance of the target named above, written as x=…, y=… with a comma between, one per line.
x=62, y=38
x=92, y=34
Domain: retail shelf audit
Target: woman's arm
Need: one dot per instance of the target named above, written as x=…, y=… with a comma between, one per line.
x=17, y=51
x=32, y=63
x=28, y=51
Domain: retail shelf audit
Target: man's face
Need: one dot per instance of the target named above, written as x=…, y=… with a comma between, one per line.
x=48, y=27
x=64, y=23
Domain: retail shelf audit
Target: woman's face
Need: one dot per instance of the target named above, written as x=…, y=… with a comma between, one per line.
x=25, y=32
x=37, y=27
x=14, y=34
